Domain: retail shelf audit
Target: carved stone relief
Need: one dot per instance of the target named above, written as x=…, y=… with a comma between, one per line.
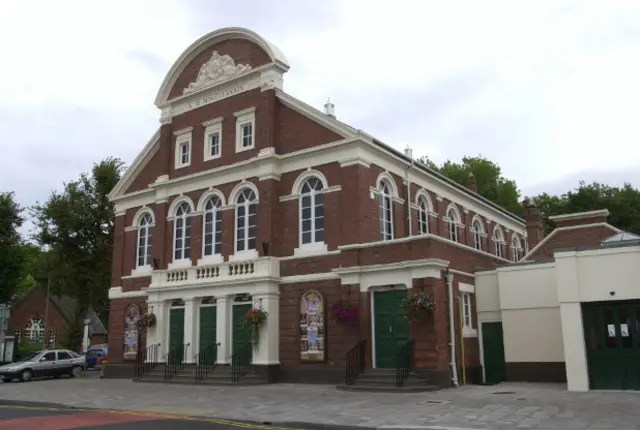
x=219, y=68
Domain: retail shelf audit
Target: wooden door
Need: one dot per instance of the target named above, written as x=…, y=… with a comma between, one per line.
x=241, y=336
x=391, y=327
x=176, y=334
x=493, y=352
x=208, y=326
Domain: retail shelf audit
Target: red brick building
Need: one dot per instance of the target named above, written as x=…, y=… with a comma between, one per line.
x=41, y=320
x=248, y=196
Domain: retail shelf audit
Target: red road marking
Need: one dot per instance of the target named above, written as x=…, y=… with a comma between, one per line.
x=66, y=422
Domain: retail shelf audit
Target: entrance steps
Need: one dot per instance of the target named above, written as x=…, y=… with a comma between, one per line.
x=384, y=381
x=221, y=376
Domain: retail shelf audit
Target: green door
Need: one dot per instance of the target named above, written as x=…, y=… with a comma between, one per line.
x=391, y=327
x=208, y=318
x=241, y=336
x=176, y=334
x=612, y=341
x=493, y=352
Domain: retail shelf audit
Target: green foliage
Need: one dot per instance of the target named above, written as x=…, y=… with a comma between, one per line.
x=76, y=226
x=11, y=255
x=623, y=204
x=24, y=349
x=73, y=336
x=490, y=183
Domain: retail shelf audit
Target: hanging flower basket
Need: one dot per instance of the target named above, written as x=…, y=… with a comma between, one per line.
x=345, y=312
x=419, y=305
x=253, y=320
x=148, y=320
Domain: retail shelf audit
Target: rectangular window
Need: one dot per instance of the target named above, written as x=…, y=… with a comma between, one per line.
x=467, y=319
x=184, y=153
x=245, y=129
x=247, y=135
x=183, y=148
x=214, y=145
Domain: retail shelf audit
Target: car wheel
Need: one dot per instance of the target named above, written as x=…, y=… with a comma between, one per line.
x=75, y=371
x=26, y=375
x=6, y=379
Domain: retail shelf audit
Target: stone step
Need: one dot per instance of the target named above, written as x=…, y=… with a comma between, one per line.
x=390, y=382
x=207, y=381
x=389, y=389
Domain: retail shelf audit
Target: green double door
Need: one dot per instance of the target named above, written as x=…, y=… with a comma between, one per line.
x=176, y=335
x=208, y=327
x=612, y=341
x=391, y=326
x=495, y=368
x=241, y=336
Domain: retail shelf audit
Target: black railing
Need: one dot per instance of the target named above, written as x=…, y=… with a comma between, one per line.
x=206, y=361
x=174, y=361
x=241, y=362
x=147, y=360
x=355, y=362
x=404, y=363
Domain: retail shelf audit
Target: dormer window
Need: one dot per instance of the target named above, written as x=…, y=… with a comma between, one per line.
x=245, y=129
x=183, y=148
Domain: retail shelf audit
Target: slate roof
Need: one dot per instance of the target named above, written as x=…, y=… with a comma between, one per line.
x=624, y=237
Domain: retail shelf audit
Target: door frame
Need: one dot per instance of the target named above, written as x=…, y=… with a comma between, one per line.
x=196, y=336
x=231, y=314
x=372, y=311
x=167, y=325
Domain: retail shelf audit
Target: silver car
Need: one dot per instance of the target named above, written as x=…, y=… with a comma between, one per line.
x=49, y=362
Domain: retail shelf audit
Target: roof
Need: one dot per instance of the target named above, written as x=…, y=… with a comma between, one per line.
x=624, y=237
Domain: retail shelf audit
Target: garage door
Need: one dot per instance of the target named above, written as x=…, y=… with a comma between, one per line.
x=612, y=338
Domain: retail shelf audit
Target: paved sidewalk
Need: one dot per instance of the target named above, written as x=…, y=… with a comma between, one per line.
x=505, y=406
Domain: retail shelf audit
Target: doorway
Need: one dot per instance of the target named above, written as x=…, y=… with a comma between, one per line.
x=391, y=326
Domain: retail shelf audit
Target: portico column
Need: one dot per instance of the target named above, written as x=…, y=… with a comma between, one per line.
x=190, y=329
x=268, y=352
x=156, y=334
x=222, y=328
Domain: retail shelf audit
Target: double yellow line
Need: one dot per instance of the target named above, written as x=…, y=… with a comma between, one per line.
x=156, y=415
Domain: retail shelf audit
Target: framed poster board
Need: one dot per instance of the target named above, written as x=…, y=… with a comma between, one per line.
x=131, y=332
x=312, y=327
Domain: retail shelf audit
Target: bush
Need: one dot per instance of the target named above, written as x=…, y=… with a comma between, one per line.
x=23, y=350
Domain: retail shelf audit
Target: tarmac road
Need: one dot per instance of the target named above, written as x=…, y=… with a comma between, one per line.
x=28, y=416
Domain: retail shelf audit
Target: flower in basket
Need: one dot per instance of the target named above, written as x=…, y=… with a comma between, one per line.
x=419, y=304
x=148, y=319
x=345, y=312
x=253, y=320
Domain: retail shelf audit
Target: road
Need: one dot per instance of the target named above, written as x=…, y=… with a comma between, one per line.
x=40, y=416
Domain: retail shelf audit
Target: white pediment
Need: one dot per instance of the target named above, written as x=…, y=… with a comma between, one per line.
x=219, y=68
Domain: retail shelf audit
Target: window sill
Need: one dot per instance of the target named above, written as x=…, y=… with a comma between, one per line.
x=141, y=271
x=215, y=157
x=311, y=249
x=240, y=148
x=210, y=260
x=182, y=166
x=252, y=254
x=179, y=264
x=469, y=332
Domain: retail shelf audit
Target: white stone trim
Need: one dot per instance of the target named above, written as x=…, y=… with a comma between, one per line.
x=243, y=118
x=304, y=176
x=466, y=288
x=135, y=223
x=136, y=167
x=423, y=194
x=580, y=215
x=310, y=249
x=387, y=178
x=380, y=275
x=311, y=277
x=235, y=192
x=171, y=213
x=204, y=198
x=567, y=228
x=140, y=272
x=116, y=293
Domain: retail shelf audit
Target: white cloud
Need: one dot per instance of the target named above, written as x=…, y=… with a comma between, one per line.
x=547, y=88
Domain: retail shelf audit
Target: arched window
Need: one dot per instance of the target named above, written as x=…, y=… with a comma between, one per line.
x=311, y=212
x=145, y=234
x=35, y=331
x=385, y=212
x=182, y=232
x=454, y=221
x=423, y=215
x=246, y=205
x=478, y=232
x=517, y=248
x=212, y=227
x=498, y=240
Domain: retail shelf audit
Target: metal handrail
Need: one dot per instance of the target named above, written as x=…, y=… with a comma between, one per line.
x=147, y=360
x=355, y=361
x=240, y=362
x=206, y=361
x=174, y=361
x=404, y=363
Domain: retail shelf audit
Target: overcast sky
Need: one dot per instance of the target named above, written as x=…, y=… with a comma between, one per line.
x=548, y=89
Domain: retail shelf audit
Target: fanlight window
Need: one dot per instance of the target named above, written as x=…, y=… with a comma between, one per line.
x=145, y=235
x=385, y=212
x=477, y=234
x=35, y=331
x=423, y=216
x=311, y=212
x=246, y=221
x=212, y=227
x=182, y=233
x=454, y=220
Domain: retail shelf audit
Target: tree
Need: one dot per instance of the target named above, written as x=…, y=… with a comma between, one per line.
x=11, y=255
x=490, y=183
x=76, y=226
x=623, y=204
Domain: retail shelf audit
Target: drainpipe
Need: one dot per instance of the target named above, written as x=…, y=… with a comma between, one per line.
x=448, y=276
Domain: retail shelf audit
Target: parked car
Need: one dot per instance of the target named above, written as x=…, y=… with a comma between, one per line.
x=48, y=363
x=96, y=356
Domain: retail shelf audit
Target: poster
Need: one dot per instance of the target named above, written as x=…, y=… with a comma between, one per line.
x=312, y=327
x=611, y=328
x=131, y=331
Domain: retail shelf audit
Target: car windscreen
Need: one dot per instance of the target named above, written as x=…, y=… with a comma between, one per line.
x=31, y=356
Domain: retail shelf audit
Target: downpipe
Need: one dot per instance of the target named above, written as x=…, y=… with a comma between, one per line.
x=452, y=329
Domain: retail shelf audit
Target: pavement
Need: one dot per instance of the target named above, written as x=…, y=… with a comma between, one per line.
x=503, y=406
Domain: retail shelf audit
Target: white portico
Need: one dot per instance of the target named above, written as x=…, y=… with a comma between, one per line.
x=215, y=297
